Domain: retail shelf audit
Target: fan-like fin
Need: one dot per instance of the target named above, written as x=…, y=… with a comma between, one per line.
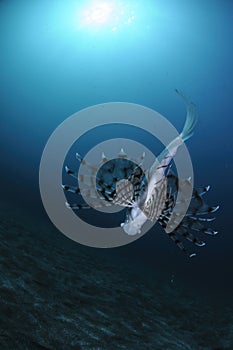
x=190, y=237
x=124, y=193
x=193, y=220
x=75, y=206
x=92, y=168
x=177, y=241
x=88, y=180
x=71, y=172
x=122, y=154
x=72, y=189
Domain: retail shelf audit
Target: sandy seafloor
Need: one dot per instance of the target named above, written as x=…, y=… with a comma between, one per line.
x=59, y=295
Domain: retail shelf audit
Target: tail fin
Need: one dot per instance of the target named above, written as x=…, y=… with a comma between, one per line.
x=191, y=117
x=169, y=152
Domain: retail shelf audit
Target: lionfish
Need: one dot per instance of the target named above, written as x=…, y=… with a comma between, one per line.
x=149, y=195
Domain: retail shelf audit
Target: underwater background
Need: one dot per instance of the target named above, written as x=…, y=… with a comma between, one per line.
x=55, y=293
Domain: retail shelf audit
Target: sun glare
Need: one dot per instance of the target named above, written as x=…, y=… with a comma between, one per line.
x=98, y=13
x=112, y=14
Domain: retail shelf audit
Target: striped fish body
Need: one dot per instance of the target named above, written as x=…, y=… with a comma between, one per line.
x=155, y=200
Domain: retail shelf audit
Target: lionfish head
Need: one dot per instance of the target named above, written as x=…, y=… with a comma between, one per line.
x=130, y=226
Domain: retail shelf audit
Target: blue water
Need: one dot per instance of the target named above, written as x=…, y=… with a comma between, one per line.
x=50, y=68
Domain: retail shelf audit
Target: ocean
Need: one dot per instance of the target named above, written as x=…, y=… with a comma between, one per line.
x=61, y=57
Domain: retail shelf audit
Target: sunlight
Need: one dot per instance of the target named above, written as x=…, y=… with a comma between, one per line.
x=112, y=14
x=98, y=13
